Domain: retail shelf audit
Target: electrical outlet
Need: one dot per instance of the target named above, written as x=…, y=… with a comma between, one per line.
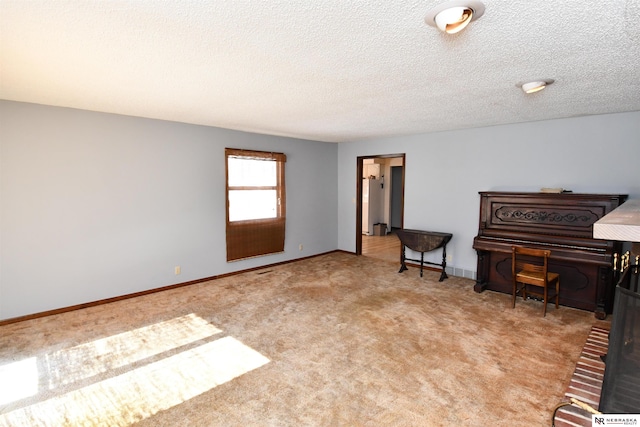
x=300, y=247
x=449, y=258
x=177, y=269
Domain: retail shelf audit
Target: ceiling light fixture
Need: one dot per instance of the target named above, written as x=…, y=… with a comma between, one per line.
x=454, y=15
x=535, y=85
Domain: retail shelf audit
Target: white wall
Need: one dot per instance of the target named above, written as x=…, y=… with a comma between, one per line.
x=446, y=170
x=95, y=205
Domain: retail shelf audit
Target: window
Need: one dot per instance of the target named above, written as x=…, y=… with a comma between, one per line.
x=255, y=203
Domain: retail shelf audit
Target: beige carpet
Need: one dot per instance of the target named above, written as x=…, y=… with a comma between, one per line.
x=336, y=340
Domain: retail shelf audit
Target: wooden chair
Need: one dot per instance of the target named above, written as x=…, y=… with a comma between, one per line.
x=529, y=267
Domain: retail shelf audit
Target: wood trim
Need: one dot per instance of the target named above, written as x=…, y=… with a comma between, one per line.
x=266, y=155
x=359, y=169
x=151, y=291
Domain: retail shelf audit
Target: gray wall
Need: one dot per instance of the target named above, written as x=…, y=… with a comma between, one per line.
x=446, y=170
x=96, y=205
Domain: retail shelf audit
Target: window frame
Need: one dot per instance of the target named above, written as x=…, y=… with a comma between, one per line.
x=256, y=237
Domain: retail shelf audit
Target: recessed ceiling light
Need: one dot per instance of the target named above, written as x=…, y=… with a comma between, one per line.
x=454, y=15
x=535, y=85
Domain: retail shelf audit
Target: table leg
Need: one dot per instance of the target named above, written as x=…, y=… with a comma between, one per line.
x=403, y=266
x=444, y=264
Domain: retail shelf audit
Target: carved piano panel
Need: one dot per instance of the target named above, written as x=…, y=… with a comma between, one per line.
x=562, y=223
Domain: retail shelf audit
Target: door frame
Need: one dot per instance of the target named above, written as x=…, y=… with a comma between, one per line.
x=359, y=169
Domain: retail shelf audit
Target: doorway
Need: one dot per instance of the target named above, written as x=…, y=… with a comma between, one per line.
x=397, y=199
x=388, y=171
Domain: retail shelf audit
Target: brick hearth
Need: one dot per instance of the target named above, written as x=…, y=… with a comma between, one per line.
x=586, y=382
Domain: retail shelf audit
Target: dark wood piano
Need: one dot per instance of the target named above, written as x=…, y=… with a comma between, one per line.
x=561, y=222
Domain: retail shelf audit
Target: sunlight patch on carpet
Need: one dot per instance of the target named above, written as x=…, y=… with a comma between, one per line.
x=18, y=380
x=145, y=391
x=86, y=360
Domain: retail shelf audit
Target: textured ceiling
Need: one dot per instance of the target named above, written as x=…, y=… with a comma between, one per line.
x=322, y=70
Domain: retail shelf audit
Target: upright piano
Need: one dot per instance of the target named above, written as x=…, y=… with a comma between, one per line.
x=560, y=222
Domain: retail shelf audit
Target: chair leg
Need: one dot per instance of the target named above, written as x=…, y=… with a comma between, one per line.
x=557, y=292
x=514, y=292
x=544, y=303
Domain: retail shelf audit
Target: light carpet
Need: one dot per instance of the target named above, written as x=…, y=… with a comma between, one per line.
x=335, y=340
